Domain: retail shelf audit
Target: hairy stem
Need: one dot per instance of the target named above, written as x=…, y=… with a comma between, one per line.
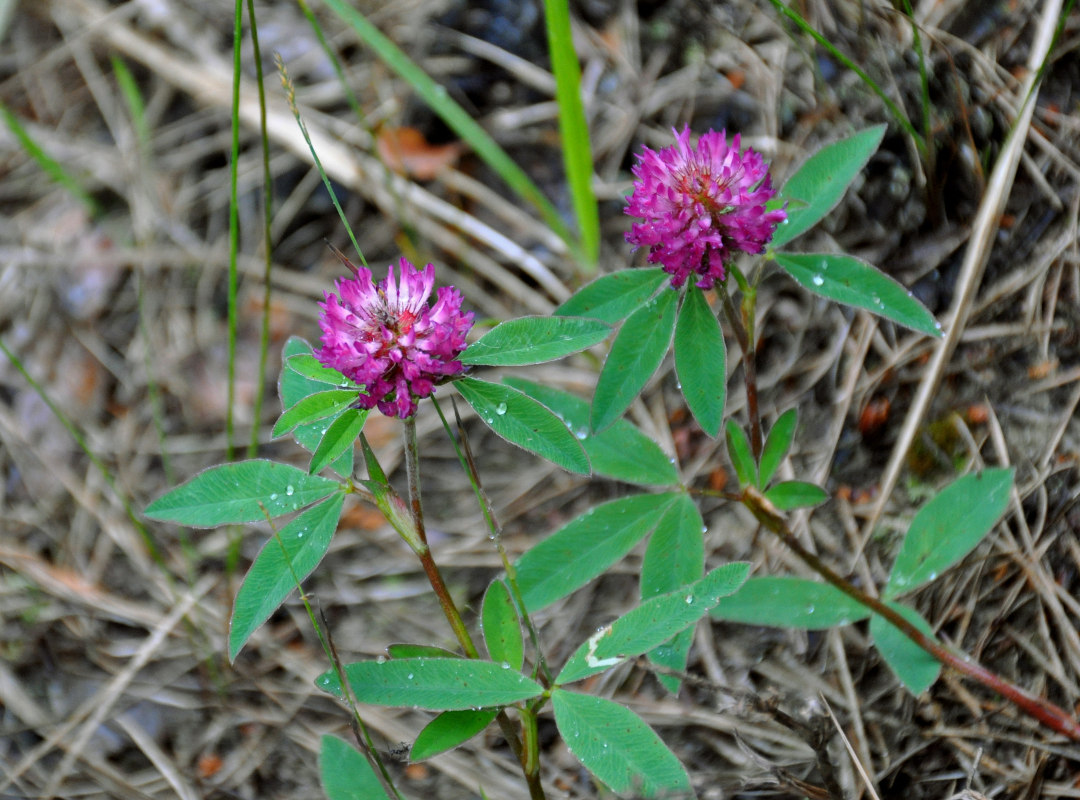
x=1044, y=711
x=453, y=616
x=743, y=325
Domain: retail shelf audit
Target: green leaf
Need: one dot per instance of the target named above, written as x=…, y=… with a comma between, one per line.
x=293, y=387
x=520, y=420
x=915, y=668
x=701, y=361
x=449, y=730
x=795, y=494
x=346, y=774
x=586, y=547
x=949, y=527
x=786, y=602
x=822, y=180
x=242, y=492
x=607, y=450
x=638, y=349
x=674, y=558
x=533, y=340
x=616, y=746
x=741, y=457
x=614, y=297
x=284, y=561
x=652, y=623
x=777, y=444
x=339, y=437
x=309, y=367
x=573, y=129
x=437, y=684
x=314, y=407
x=404, y=650
x=502, y=630
x=853, y=282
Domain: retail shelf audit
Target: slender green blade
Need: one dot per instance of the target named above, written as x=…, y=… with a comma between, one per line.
x=577, y=154
x=742, y=458
x=853, y=282
x=502, y=629
x=339, y=438
x=318, y=406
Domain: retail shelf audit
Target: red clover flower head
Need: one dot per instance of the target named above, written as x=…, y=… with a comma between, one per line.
x=700, y=206
x=387, y=338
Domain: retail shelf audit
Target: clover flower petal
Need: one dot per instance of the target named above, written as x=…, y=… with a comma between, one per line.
x=387, y=338
x=701, y=206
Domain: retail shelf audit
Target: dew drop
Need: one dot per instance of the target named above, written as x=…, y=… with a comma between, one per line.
x=500, y=409
x=273, y=496
x=689, y=599
x=409, y=677
x=505, y=665
x=818, y=280
x=289, y=490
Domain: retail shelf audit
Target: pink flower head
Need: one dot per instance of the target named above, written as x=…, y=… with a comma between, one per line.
x=388, y=339
x=701, y=206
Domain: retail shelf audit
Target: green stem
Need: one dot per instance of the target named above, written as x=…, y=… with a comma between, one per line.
x=743, y=325
x=1044, y=711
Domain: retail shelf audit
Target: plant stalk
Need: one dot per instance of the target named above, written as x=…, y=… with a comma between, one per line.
x=1050, y=715
x=744, y=334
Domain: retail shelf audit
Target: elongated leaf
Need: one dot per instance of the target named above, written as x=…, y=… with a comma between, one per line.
x=586, y=546
x=822, y=180
x=284, y=560
x=449, y=730
x=404, y=650
x=241, y=492
x=608, y=450
x=652, y=623
x=615, y=297
x=617, y=747
x=457, y=118
x=915, y=668
x=853, y=282
x=346, y=774
x=740, y=454
x=437, y=684
x=309, y=367
x=786, y=602
x=573, y=129
x=502, y=630
x=339, y=437
x=701, y=361
x=638, y=349
x=674, y=558
x=320, y=405
x=795, y=494
x=520, y=420
x=533, y=340
x=949, y=527
x=293, y=387
x=777, y=444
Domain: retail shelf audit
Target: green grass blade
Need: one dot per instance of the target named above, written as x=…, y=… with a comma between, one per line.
x=456, y=117
x=49, y=165
x=898, y=113
x=577, y=153
x=234, y=226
